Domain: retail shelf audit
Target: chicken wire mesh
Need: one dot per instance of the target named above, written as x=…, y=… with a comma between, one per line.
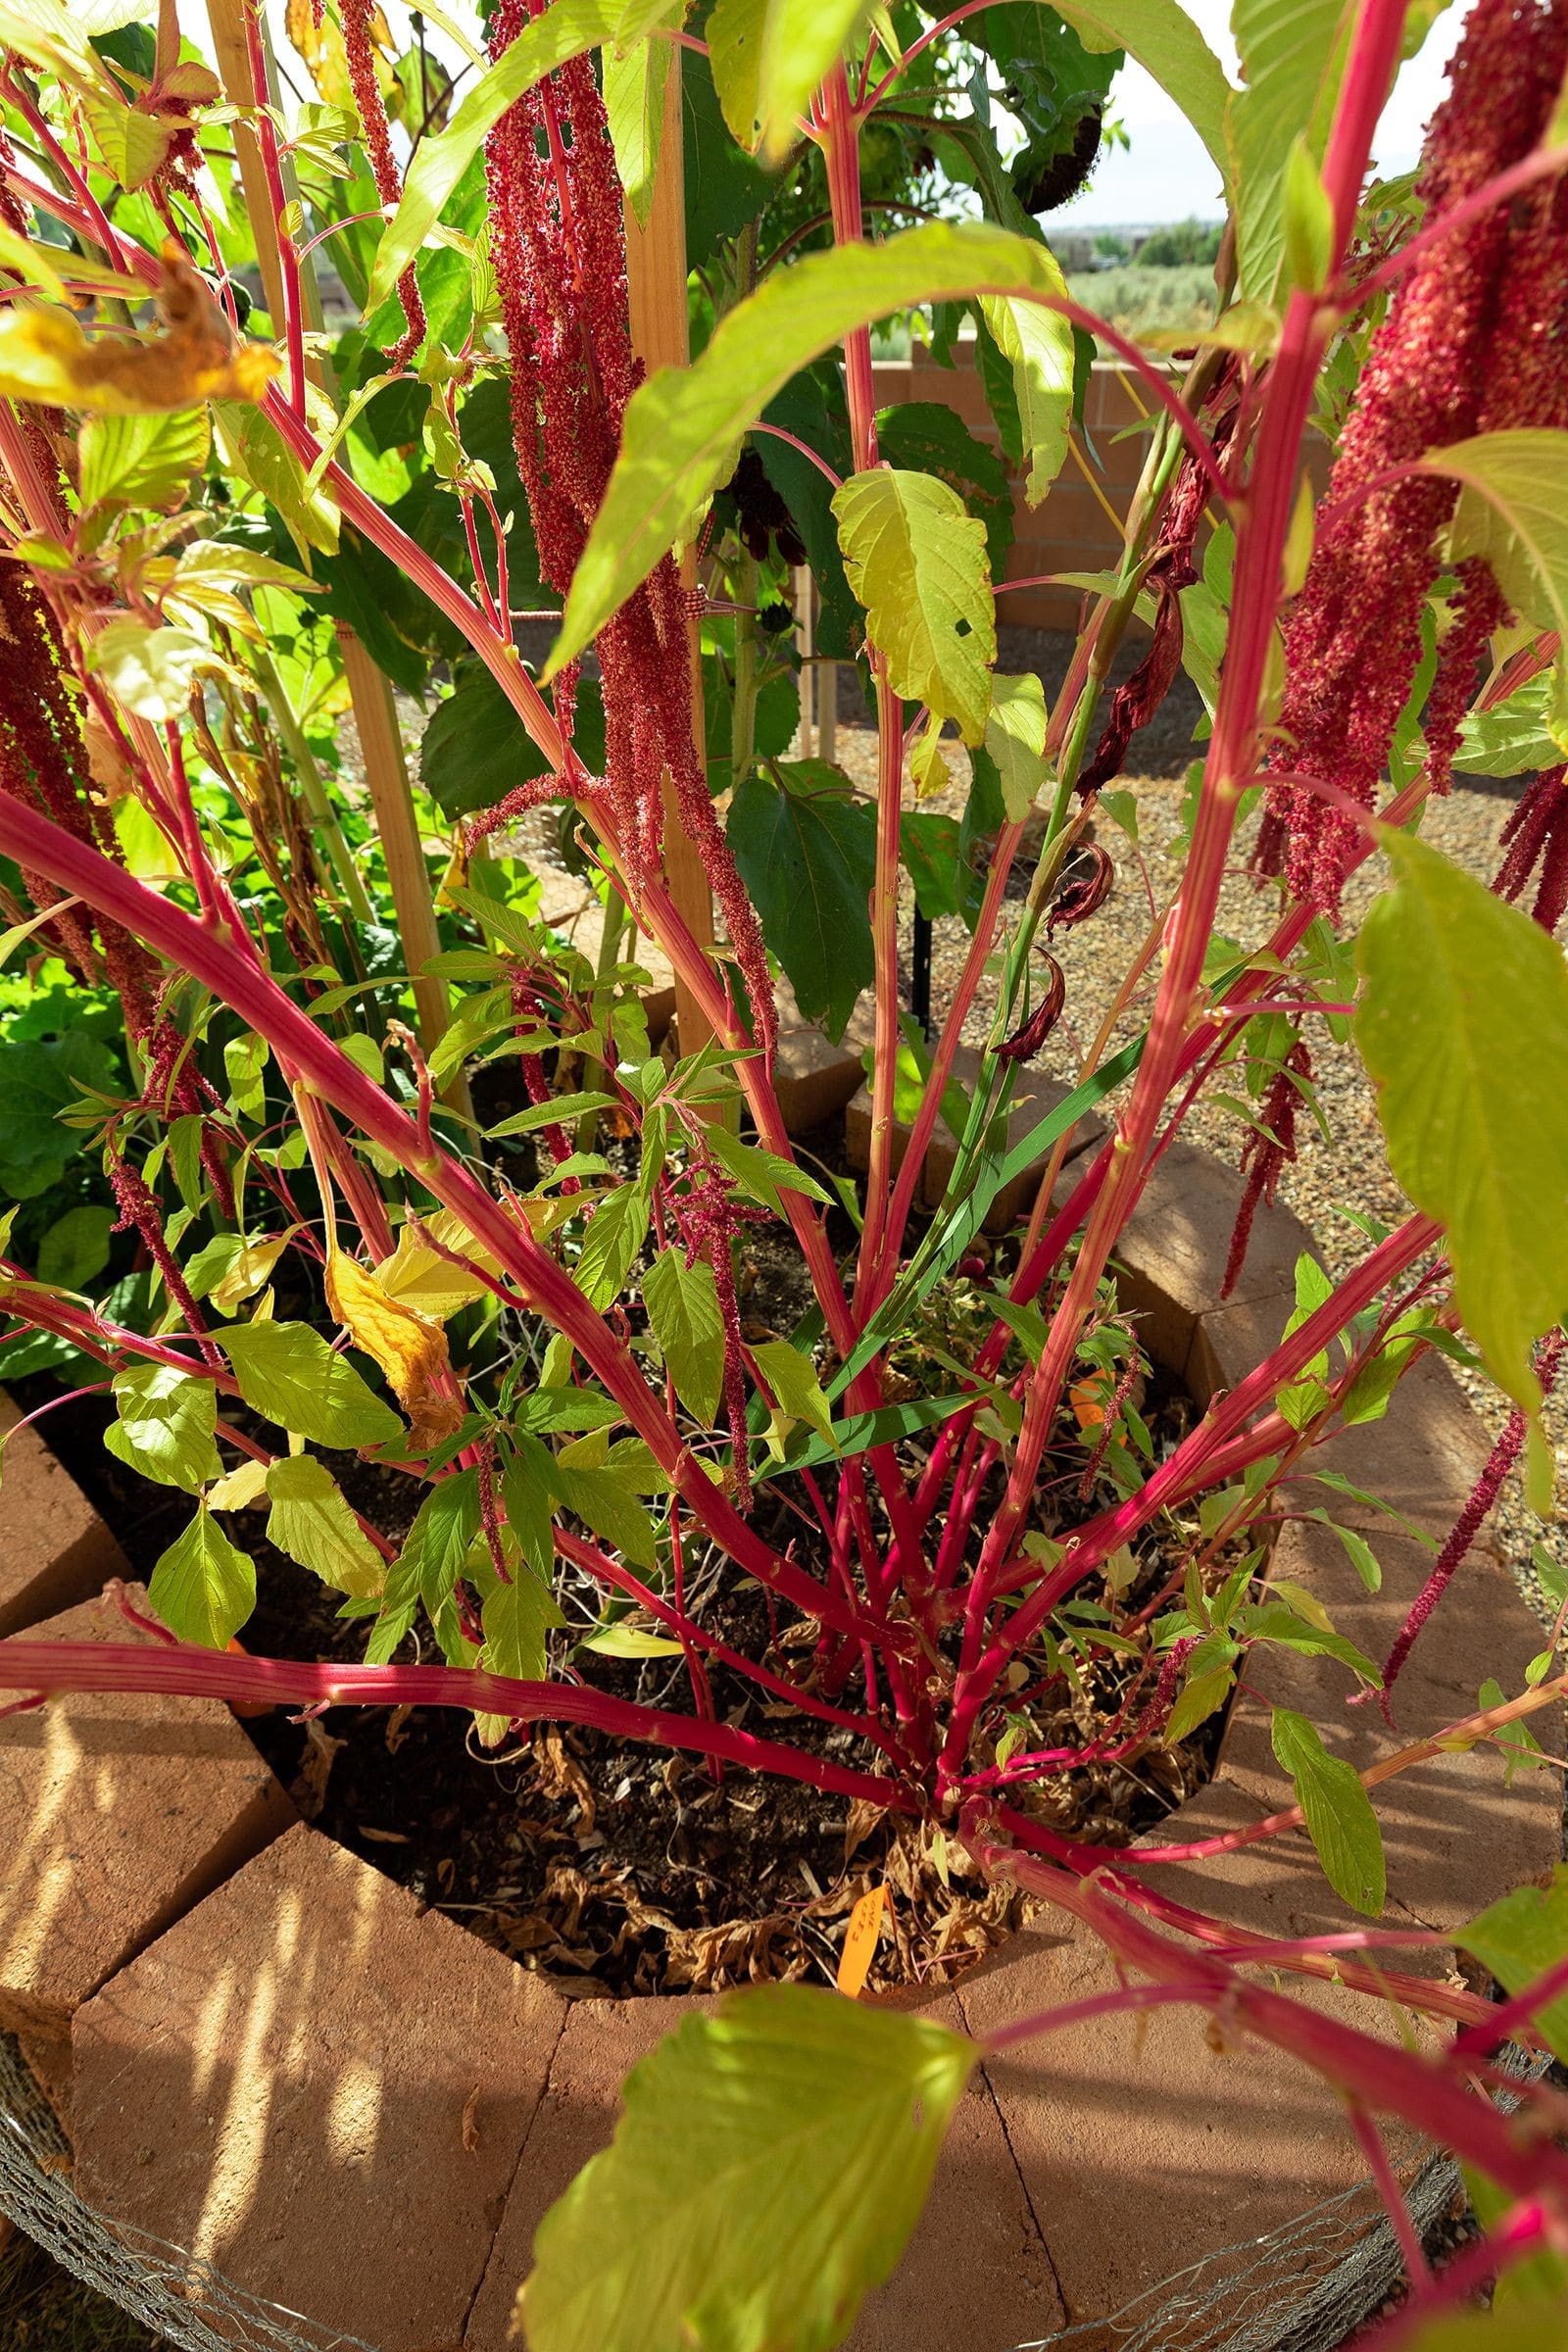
x=1301, y=2288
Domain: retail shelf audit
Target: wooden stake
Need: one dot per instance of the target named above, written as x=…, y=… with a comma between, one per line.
x=655, y=277
x=370, y=691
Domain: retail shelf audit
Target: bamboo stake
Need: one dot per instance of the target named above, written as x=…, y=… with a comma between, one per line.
x=655, y=277
x=370, y=692
x=805, y=639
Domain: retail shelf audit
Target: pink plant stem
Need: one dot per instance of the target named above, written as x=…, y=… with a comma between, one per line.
x=1365, y=2068
x=264, y=131
x=942, y=1061
x=1456, y=1550
x=184, y=1670
x=605, y=1571
x=1369, y=2140
x=1095, y=1541
x=1526, y=2226
x=1232, y=757
x=778, y=432
x=316, y=1059
x=1543, y=164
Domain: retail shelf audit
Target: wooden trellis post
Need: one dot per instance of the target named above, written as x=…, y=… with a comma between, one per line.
x=655, y=274
x=370, y=691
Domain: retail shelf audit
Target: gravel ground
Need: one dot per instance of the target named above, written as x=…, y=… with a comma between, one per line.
x=1349, y=1170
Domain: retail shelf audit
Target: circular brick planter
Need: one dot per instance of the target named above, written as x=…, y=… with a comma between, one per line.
x=266, y=2052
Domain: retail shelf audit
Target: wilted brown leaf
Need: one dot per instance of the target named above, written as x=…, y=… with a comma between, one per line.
x=410, y=1349
x=44, y=356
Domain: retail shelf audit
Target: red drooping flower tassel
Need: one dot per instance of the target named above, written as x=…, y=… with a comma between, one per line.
x=1353, y=642
x=1268, y=1149
x=361, y=54
x=139, y=1212
x=1537, y=835
x=709, y=1217
x=560, y=252
x=1504, y=1454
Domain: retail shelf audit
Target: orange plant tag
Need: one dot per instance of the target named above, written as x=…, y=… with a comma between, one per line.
x=1088, y=1402
x=860, y=1940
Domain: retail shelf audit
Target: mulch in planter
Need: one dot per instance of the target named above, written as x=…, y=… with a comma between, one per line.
x=627, y=1868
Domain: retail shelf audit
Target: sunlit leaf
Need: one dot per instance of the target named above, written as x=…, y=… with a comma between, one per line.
x=410, y=1348
x=310, y=1520
x=684, y=424
x=1338, y=1812
x=202, y=1588
x=1464, y=1028
x=166, y=1425
x=287, y=1373
x=916, y=559
x=768, y=2167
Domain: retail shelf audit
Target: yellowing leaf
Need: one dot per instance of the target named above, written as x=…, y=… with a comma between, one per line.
x=238, y=1487
x=410, y=1349
x=767, y=58
x=249, y=1269
x=1016, y=738
x=152, y=670
x=916, y=559
x=1039, y=346
x=44, y=356
x=418, y=1276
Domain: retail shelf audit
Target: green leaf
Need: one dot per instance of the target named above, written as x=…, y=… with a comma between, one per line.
x=769, y=2166
x=1200, y=1700
x=1514, y=2327
x=762, y=1175
x=634, y=103
x=682, y=1303
x=1037, y=346
x=166, y=1425
x=630, y=1641
x=797, y=1394
x=76, y=1246
x=250, y=446
x=565, y=30
x=1512, y=511
x=1293, y=56
x=769, y=56
x=1169, y=47
x=437, y=1543
x=1308, y=231
x=1463, y=1026
x=1272, y=1622
x=1016, y=738
x=1338, y=1812
x=916, y=560
x=924, y=437
x=806, y=853
x=476, y=749
x=39, y=1079
x=1513, y=740
x=609, y=1503
x=684, y=424
x=288, y=1372
x=515, y=1618
x=559, y=1109
x=142, y=461
x=244, y=1060
x=202, y=1588
x=1519, y=1938
x=616, y=1233
x=310, y=1520
x=151, y=672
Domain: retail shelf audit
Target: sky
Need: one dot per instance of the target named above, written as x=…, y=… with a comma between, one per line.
x=1166, y=175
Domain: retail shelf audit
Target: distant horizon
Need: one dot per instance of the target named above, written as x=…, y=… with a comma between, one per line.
x=1133, y=184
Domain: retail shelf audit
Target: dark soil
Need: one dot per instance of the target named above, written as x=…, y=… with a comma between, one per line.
x=631, y=1869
